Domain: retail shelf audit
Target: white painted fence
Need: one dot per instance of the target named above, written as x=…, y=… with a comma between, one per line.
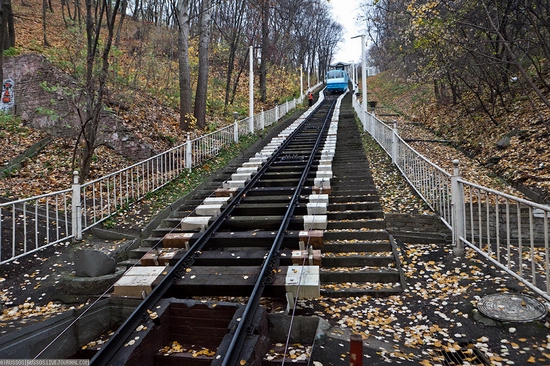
x=509, y=231
x=31, y=224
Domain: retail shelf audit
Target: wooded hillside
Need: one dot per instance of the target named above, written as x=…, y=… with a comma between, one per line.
x=476, y=72
x=109, y=79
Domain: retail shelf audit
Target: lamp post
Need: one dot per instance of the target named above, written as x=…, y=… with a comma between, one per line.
x=236, y=127
x=363, y=79
x=352, y=73
x=301, y=83
x=251, y=92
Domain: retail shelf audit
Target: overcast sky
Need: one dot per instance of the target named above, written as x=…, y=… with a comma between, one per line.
x=345, y=12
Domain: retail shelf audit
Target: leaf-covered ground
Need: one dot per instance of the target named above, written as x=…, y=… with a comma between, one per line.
x=526, y=161
x=436, y=314
x=438, y=311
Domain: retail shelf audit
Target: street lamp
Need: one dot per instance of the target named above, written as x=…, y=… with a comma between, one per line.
x=301, y=82
x=251, y=92
x=363, y=79
x=236, y=127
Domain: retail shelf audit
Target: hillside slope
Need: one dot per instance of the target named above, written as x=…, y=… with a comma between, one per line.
x=515, y=149
x=141, y=109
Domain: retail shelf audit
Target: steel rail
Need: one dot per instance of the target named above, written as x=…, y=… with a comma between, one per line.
x=243, y=329
x=117, y=340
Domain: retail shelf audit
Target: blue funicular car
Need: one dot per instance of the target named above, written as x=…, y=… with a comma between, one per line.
x=337, y=78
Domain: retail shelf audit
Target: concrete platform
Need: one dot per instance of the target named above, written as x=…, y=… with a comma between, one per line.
x=316, y=222
x=303, y=281
x=212, y=210
x=318, y=198
x=195, y=223
x=316, y=208
x=138, y=281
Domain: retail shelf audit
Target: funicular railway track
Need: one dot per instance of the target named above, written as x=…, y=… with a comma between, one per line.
x=240, y=240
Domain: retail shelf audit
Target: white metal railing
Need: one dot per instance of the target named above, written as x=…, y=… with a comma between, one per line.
x=509, y=231
x=27, y=225
x=31, y=224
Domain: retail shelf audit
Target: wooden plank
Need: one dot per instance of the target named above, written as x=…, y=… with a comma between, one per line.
x=184, y=358
x=232, y=281
x=236, y=257
x=264, y=191
x=214, y=320
x=260, y=222
x=229, y=239
x=268, y=209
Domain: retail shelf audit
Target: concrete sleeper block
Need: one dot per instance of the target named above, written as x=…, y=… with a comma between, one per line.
x=315, y=222
x=195, y=223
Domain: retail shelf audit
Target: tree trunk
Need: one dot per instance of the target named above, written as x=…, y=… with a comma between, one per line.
x=63, y=4
x=10, y=41
x=265, y=49
x=182, y=16
x=235, y=38
x=44, y=28
x=95, y=83
x=3, y=20
x=7, y=32
x=515, y=61
x=122, y=16
x=136, y=10
x=202, y=79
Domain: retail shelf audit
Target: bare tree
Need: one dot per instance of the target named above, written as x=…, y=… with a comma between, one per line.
x=182, y=17
x=96, y=77
x=44, y=11
x=202, y=79
x=230, y=23
x=7, y=31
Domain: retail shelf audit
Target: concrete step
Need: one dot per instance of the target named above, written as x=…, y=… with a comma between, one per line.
x=357, y=260
x=354, y=206
x=365, y=197
x=356, y=224
x=360, y=246
x=359, y=235
x=355, y=215
x=359, y=254
x=365, y=276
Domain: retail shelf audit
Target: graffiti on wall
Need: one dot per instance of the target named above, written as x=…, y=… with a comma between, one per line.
x=8, y=96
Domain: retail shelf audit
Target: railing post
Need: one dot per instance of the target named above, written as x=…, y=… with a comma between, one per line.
x=76, y=209
x=394, y=145
x=276, y=113
x=262, y=120
x=236, y=127
x=371, y=122
x=356, y=350
x=457, y=206
x=188, y=153
x=368, y=124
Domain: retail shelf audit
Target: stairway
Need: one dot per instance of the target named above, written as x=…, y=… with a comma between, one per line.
x=359, y=256
x=197, y=196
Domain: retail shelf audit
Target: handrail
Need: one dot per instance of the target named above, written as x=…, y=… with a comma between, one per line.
x=31, y=224
x=108, y=351
x=509, y=231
